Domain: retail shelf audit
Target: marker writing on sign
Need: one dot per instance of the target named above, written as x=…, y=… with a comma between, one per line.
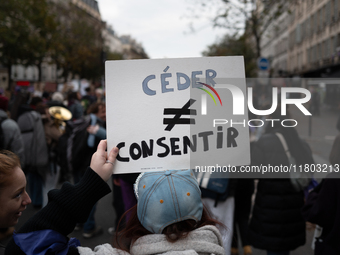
x=178, y=146
x=149, y=84
x=178, y=112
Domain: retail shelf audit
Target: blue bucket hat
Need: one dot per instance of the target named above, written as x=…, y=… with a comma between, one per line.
x=167, y=197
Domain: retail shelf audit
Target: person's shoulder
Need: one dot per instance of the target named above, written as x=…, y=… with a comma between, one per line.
x=204, y=238
x=9, y=124
x=209, y=230
x=102, y=249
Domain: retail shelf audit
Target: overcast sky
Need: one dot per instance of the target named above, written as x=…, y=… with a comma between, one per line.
x=160, y=26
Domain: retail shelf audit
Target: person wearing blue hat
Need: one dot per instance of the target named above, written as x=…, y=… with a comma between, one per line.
x=167, y=197
x=169, y=206
x=169, y=217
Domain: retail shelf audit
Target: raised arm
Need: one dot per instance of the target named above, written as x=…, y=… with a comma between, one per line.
x=69, y=205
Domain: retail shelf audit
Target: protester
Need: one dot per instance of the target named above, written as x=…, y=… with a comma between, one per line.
x=35, y=147
x=13, y=195
x=159, y=226
x=126, y=182
x=52, y=135
x=74, y=105
x=117, y=203
x=18, y=101
x=97, y=132
x=100, y=95
x=243, y=191
x=169, y=203
x=122, y=189
x=277, y=224
x=221, y=207
x=57, y=100
x=88, y=99
x=12, y=139
x=323, y=207
x=97, y=111
x=242, y=195
x=119, y=190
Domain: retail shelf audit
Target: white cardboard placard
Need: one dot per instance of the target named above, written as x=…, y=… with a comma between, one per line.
x=138, y=94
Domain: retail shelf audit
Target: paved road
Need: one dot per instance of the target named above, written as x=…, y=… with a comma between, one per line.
x=323, y=132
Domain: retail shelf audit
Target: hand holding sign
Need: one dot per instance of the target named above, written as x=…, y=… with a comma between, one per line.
x=99, y=161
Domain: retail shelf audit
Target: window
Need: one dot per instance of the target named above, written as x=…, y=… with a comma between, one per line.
x=315, y=53
x=292, y=39
x=320, y=20
x=316, y=24
x=298, y=33
x=328, y=13
x=292, y=17
x=303, y=30
x=312, y=57
x=308, y=27
x=335, y=43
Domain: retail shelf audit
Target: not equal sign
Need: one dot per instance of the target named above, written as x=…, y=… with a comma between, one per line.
x=178, y=112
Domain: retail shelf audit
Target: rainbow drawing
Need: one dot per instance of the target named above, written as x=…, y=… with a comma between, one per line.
x=209, y=93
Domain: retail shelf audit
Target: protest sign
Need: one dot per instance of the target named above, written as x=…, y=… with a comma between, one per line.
x=177, y=113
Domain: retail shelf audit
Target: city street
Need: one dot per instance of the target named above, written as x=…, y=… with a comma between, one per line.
x=124, y=70
x=323, y=132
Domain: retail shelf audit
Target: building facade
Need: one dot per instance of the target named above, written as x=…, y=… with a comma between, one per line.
x=108, y=40
x=305, y=42
x=314, y=32
x=111, y=41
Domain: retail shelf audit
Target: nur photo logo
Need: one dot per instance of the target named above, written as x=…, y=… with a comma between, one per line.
x=243, y=102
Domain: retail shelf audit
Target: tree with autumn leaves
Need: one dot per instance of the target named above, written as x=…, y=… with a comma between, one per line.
x=37, y=31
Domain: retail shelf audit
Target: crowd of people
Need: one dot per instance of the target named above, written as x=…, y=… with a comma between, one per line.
x=36, y=137
x=162, y=212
